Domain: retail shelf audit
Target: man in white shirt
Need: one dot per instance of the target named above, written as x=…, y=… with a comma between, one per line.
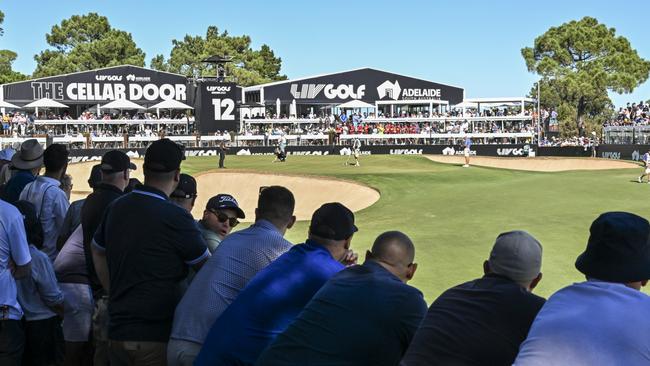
x=15, y=263
x=602, y=321
x=50, y=200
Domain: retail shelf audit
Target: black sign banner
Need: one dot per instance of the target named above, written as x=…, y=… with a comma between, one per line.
x=218, y=107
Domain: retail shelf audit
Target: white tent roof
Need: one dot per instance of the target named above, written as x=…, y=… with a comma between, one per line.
x=4, y=104
x=122, y=104
x=170, y=104
x=45, y=103
x=355, y=104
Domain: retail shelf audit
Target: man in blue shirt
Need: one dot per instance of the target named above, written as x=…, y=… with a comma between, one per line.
x=604, y=320
x=365, y=315
x=235, y=261
x=278, y=293
x=13, y=247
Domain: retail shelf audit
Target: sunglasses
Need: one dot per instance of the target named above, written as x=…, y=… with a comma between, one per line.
x=222, y=217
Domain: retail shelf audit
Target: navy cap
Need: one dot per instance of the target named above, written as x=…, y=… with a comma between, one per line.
x=222, y=201
x=333, y=221
x=186, y=187
x=163, y=156
x=116, y=161
x=618, y=249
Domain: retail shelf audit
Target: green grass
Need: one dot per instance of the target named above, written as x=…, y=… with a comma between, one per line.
x=453, y=215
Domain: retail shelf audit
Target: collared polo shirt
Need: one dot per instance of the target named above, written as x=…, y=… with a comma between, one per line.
x=16, y=184
x=211, y=238
x=51, y=205
x=364, y=315
x=480, y=322
x=239, y=257
x=590, y=323
x=13, y=245
x=92, y=213
x=268, y=304
x=149, y=243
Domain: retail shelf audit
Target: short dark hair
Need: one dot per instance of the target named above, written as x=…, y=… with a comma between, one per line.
x=55, y=157
x=275, y=203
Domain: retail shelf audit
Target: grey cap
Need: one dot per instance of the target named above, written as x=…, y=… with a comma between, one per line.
x=517, y=256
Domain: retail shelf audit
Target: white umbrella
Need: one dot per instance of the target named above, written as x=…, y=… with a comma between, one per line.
x=170, y=104
x=277, y=108
x=4, y=104
x=355, y=104
x=45, y=103
x=292, y=109
x=122, y=104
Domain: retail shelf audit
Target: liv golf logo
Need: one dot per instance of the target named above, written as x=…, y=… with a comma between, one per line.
x=390, y=90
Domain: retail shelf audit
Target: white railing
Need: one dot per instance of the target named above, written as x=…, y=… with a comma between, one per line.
x=272, y=139
x=286, y=121
x=71, y=122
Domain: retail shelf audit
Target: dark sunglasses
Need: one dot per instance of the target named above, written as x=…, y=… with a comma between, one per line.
x=222, y=217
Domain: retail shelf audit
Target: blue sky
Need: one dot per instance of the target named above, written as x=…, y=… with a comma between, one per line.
x=473, y=44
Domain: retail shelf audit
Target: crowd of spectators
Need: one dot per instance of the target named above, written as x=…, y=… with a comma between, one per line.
x=632, y=115
x=126, y=276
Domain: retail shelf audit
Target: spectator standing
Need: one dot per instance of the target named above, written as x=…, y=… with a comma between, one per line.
x=365, y=315
x=185, y=193
x=13, y=249
x=115, y=170
x=483, y=322
x=235, y=261
x=27, y=163
x=277, y=294
x=41, y=299
x=49, y=199
x=219, y=218
x=142, y=250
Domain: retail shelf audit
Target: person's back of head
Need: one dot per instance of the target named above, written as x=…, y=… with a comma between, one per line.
x=276, y=204
x=332, y=226
x=517, y=256
x=394, y=251
x=162, y=164
x=55, y=159
x=185, y=193
x=618, y=250
x=33, y=227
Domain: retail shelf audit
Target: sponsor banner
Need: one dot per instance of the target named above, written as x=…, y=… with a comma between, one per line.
x=368, y=85
x=139, y=85
x=622, y=152
x=218, y=107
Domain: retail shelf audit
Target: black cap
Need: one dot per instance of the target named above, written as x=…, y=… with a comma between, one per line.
x=618, y=249
x=186, y=187
x=222, y=201
x=116, y=161
x=95, y=175
x=333, y=221
x=163, y=156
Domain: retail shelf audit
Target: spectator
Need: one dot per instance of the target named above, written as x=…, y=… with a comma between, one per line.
x=603, y=320
x=145, y=267
x=73, y=215
x=66, y=186
x=277, y=294
x=185, y=193
x=237, y=259
x=6, y=155
x=361, y=310
x=27, y=162
x=50, y=201
x=115, y=170
x=40, y=298
x=15, y=250
x=483, y=322
x=219, y=218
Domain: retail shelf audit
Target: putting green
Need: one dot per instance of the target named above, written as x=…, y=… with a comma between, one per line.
x=453, y=214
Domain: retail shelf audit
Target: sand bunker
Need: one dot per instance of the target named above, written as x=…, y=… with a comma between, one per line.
x=310, y=192
x=538, y=164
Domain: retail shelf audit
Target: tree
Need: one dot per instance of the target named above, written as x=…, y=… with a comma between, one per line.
x=248, y=66
x=2, y=19
x=86, y=42
x=7, y=74
x=581, y=61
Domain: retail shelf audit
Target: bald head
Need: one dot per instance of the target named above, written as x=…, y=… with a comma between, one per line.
x=395, y=251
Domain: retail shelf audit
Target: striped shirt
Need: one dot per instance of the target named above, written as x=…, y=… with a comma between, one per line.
x=236, y=260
